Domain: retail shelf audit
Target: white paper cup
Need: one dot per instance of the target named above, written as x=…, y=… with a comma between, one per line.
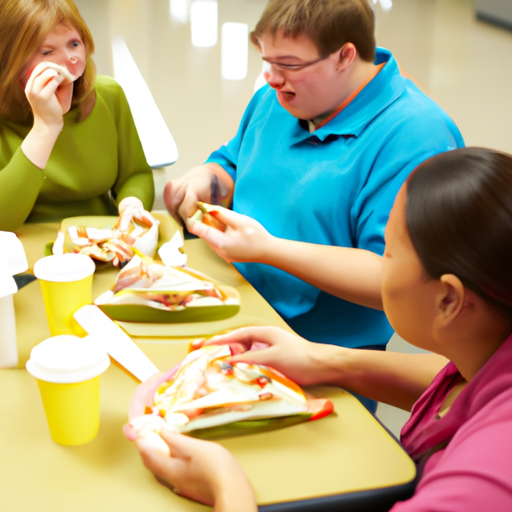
x=68, y=369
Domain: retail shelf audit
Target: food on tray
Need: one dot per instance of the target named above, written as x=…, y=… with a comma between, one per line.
x=205, y=396
x=151, y=284
x=135, y=228
x=205, y=216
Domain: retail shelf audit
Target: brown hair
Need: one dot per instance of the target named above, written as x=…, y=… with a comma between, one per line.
x=459, y=217
x=24, y=24
x=328, y=23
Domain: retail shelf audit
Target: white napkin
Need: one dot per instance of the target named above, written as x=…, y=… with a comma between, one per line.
x=12, y=261
x=170, y=252
x=116, y=342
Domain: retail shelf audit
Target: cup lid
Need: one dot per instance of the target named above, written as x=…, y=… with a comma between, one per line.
x=62, y=268
x=66, y=359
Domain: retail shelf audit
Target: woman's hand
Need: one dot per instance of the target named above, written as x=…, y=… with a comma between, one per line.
x=49, y=91
x=302, y=361
x=131, y=208
x=244, y=238
x=200, y=470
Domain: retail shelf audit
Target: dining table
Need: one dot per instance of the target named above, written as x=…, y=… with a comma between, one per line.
x=345, y=461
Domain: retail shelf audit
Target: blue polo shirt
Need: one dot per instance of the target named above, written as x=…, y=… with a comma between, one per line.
x=334, y=186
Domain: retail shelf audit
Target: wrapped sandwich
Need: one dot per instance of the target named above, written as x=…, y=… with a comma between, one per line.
x=207, y=397
x=149, y=291
x=135, y=228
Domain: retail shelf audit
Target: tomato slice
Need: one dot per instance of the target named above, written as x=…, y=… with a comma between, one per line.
x=319, y=407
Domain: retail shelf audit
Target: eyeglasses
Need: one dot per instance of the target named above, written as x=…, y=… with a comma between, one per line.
x=292, y=67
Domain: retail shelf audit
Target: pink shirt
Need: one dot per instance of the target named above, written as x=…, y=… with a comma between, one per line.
x=466, y=455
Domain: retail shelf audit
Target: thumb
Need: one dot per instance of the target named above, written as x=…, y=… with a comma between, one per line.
x=225, y=215
x=209, y=234
x=180, y=445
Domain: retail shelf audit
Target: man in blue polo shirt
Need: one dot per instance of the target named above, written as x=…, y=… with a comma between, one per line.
x=319, y=156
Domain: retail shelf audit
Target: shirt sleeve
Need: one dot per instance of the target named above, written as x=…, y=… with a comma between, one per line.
x=135, y=176
x=472, y=474
x=20, y=183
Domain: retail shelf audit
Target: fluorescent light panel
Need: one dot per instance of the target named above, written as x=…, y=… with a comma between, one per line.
x=234, y=50
x=179, y=10
x=203, y=22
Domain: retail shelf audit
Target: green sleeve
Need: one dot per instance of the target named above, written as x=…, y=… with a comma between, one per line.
x=20, y=183
x=135, y=177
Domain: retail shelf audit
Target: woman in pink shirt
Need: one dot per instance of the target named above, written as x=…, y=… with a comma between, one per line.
x=447, y=288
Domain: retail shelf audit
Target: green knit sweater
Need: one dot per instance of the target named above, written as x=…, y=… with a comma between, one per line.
x=94, y=164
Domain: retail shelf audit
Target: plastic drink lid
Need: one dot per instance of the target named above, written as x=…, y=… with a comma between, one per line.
x=63, y=268
x=66, y=359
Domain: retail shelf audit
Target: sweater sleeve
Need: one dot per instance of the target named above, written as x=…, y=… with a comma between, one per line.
x=20, y=183
x=135, y=176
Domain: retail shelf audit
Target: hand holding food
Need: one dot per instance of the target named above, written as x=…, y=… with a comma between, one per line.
x=185, y=466
x=208, y=183
x=207, y=215
x=240, y=239
x=135, y=228
x=49, y=90
x=299, y=359
x=210, y=396
x=131, y=209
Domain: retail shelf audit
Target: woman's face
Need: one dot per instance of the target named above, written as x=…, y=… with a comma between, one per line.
x=408, y=295
x=62, y=46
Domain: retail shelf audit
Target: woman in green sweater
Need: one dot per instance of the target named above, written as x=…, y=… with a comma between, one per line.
x=68, y=143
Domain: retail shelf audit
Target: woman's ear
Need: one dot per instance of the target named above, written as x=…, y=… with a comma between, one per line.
x=451, y=300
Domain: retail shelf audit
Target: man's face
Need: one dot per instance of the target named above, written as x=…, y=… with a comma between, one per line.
x=307, y=92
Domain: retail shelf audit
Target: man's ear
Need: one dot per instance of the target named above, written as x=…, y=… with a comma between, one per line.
x=451, y=300
x=347, y=54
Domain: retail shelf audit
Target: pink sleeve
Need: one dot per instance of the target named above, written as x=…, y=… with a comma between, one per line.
x=473, y=474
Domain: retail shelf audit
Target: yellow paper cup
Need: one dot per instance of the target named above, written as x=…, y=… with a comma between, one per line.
x=67, y=369
x=66, y=284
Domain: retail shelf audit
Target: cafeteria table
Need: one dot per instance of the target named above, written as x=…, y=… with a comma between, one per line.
x=344, y=461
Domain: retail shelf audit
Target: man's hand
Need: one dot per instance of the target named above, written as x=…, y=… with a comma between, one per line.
x=208, y=183
x=244, y=239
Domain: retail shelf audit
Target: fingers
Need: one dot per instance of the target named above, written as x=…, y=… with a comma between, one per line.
x=143, y=395
x=245, y=336
x=62, y=71
x=153, y=444
x=209, y=234
x=45, y=73
x=130, y=202
x=154, y=456
x=174, y=193
x=129, y=432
